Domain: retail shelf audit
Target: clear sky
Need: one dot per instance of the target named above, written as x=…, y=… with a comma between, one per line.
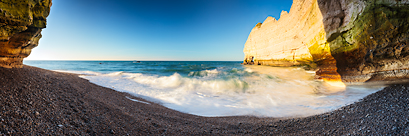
x=189, y=30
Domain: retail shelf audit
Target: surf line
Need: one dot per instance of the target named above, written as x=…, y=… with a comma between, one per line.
x=136, y=100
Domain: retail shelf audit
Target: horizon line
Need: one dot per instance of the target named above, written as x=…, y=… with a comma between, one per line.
x=130, y=60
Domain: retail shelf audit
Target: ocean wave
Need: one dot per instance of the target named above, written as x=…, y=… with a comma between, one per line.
x=188, y=84
x=204, y=73
x=86, y=73
x=230, y=92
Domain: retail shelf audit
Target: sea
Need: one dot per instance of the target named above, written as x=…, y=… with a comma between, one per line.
x=218, y=88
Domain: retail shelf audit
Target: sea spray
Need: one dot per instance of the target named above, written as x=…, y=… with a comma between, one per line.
x=225, y=88
x=292, y=92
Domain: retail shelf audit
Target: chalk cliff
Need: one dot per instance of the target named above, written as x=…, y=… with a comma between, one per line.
x=21, y=23
x=348, y=40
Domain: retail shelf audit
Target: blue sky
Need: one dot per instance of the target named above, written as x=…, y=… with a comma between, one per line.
x=189, y=30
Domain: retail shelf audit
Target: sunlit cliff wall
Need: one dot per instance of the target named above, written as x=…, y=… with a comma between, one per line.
x=21, y=22
x=348, y=40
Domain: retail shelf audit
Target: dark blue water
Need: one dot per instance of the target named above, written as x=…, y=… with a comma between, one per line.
x=163, y=68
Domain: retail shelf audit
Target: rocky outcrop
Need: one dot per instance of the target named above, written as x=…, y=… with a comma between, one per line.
x=20, y=31
x=348, y=40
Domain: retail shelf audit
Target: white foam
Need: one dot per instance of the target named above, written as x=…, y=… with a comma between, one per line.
x=273, y=92
x=88, y=73
x=248, y=70
x=311, y=72
x=136, y=100
x=205, y=73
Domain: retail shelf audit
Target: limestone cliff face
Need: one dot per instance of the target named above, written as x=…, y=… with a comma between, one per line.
x=21, y=22
x=348, y=40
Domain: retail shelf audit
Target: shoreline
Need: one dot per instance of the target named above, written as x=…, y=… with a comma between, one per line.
x=38, y=101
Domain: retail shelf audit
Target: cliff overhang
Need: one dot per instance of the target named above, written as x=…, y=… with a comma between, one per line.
x=21, y=23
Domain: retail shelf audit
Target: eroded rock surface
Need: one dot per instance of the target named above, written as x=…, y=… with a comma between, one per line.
x=348, y=40
x=21, y=23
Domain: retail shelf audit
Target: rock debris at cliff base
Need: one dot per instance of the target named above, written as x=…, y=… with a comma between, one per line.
x=41, y=102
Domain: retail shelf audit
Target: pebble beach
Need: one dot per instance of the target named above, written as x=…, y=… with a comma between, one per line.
x=42, y=102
